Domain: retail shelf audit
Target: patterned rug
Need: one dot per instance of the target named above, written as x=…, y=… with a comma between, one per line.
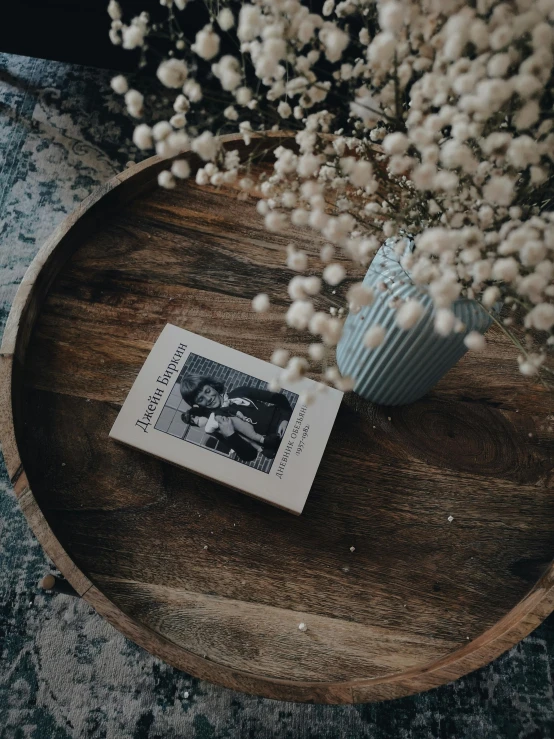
x=64, y=672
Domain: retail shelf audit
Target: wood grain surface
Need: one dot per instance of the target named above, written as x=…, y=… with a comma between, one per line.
x=421, y=600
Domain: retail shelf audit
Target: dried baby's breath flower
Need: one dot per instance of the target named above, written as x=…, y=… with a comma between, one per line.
x=441, y=131
x=374, y=337
x=166, y=179
x=119, y=84
x=142, y=136
x=181, y=169
x=409, y=314
x=316, y=352
x=475, y=341
x=280, y=357
x=333, y=274
x=261, y=303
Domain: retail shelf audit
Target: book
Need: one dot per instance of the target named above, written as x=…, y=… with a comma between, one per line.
x=210, y=409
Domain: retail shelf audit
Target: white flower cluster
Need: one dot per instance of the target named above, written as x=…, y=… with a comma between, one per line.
x=450, y=139
x=131, y=36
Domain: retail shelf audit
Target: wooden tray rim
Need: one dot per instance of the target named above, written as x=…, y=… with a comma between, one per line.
x=514, y=626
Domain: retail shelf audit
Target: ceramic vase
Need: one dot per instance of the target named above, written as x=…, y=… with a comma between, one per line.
x=409, y=362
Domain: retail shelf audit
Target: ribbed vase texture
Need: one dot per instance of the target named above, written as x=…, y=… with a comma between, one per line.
x=408, y=363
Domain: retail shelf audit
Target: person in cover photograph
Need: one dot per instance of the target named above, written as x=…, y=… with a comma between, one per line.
x=247, y=419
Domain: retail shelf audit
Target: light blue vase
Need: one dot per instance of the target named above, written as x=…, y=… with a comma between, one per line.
x=408, y=363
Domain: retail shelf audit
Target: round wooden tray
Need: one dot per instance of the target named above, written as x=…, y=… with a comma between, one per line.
x=421, y=600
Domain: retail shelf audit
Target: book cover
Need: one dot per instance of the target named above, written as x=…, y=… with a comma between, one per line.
x=209, y=408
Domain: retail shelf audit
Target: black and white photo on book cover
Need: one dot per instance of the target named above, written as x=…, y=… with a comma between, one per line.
x=227, y=411
x=209, y=408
